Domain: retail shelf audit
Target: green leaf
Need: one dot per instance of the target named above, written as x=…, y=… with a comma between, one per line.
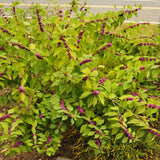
x=112, y=96
x=119, y=135
x=88, y=84
x=101, y=97
x=92, y=143
x=126, y=85
x=125, y=139
x=140, y=133
x=111, y=114
x=114, y=108
x=83, y=128
x=107, y=85
x=140, y=109
x=116, y=125
x=94, y=101
x=85, y=94
x=133, y=121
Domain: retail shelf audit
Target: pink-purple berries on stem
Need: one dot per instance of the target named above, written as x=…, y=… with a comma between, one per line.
x=1, y=48
x=98, y=142
x=3, y=73
x=152, y=106
x=17, y=144
x=126, y=130
x=64, y=108
x=48, y=140
x=153, y=132
x=4, y=117
x=66, y=46
x=142, y=68
x=39, y=21
x=9, y=132
x=135, y=25
x=5, y=31
x=102, y=80
x=2, y=13
x=85, y=61
x=39, y=56
x=40, y=116
x=21, y=89
x=95, y=92
x=20, y=46
x=81, y=110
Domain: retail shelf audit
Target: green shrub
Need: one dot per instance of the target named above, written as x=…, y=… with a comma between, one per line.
x=71, y=69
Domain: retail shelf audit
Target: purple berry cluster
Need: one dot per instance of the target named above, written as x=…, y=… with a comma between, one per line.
x=105, y=47
x=142, y=68
x=39, y=21
x=134, y=94
x=3, y=73
x=115, y=35
x=83, y=7
x=135, y=25
x=2, y=13
x=98, y=142
x=147, y=44
x=130, y=99
x=48, y=140
x=92, y=21
x=94, y=128
x=64, y=108
x=14, y=12
x=129, y=11
x=81, y=110
x=71, y=9
x=102, y=80
x=39, y=56
x=9, y=132
x=1, y=48
x=60, y=11
x=103, y=26
x=17, y=144
x=4, y=117
x=153, y=106
x=157, y=98
x=126, y=130
x=20, y=46
x=85, y=61
x=66, y=26
x=5, y=31
x=147, y=59
x=21, y=89
x=154, y=132
x=95, y=92
x=40, y=116
x=94, y=69
x=142, y=37
x=34, y=140
x=85, y=78
x=66, y=46
x=80, y=36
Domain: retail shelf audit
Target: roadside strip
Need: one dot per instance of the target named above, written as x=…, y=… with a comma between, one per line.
x=66, y=5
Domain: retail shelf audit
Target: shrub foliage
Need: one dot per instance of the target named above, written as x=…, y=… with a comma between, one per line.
x=73, y=69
